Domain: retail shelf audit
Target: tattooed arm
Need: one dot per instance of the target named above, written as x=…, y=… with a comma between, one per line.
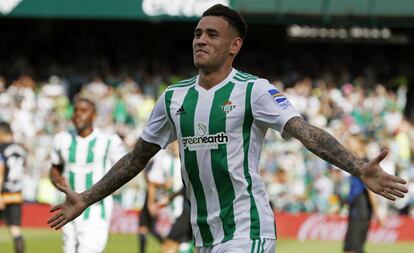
x=328, y=148
x=324, y=145
x=121, y=173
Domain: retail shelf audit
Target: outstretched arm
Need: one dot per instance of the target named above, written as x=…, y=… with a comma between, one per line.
x=122, y=172
x=328, y=148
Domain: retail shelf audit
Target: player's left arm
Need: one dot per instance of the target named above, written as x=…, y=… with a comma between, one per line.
x=328, y=148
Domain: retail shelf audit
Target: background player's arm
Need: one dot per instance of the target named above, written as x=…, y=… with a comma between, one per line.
x=328, y=148
x=55, y=175
x=152, y=201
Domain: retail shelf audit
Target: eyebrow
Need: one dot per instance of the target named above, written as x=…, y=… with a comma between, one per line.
x=208, y=30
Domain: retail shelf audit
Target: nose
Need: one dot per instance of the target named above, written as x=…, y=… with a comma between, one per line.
x=201, y=40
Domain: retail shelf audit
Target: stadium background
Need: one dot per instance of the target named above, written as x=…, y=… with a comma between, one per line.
x=345, y=64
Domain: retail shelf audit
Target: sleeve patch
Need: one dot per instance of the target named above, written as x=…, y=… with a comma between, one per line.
x=279, y=98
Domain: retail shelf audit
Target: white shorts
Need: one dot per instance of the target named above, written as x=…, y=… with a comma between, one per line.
x=85, y=236
x=241, y=245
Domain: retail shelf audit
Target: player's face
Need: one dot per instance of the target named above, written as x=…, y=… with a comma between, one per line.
x=83, y=116
x=213, y=43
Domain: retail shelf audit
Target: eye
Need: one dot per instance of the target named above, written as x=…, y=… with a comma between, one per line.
x=197, y=34
x=213, y=35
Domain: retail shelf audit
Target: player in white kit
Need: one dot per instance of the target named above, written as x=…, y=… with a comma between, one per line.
x=220, y=118
x=80, y=158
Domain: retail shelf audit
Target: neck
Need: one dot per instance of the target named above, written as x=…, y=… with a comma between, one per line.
x=85, y=132
x=209, y=79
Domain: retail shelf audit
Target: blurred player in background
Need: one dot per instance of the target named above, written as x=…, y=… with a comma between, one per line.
x=80, y=158
x=220, y=118
x=147, y=216
x=12, y=160
x=362, y=205
x=166, y=195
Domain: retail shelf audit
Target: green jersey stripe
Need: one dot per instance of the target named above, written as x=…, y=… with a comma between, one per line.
x=168, y=96
x=244, y=79
x=253, y=246
x=72, y=150
x=191, y=166
x=91, y=155
x=181, y=85
x=184, y=83
x=263, y=245
x=219, y=163
x=243, y=75
x=88, y=184
x=72, y=180
x=247, y=126
x=187, y=80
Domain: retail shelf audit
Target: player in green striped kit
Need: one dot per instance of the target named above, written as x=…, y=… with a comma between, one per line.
x=80, y=159
x=220, y=118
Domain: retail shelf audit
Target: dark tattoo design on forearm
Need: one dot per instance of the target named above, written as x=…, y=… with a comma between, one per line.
x=324, y=145
x=123, y=171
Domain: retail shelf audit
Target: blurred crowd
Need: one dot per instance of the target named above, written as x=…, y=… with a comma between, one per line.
x=365, y=118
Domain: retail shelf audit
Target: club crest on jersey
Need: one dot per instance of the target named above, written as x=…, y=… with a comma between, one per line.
x=227, y=107
x=201, y=129
x=279, y=98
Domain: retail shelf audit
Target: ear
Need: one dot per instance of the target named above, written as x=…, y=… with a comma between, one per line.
x=236, y=45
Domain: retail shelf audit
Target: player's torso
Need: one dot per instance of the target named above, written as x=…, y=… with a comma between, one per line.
x=85, y=159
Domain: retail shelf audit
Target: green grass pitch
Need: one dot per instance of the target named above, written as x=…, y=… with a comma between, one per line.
x=49, y=241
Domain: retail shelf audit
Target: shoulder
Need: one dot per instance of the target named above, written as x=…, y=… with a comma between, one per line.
x=64, y=134
x=244, y=77
x=183, y=84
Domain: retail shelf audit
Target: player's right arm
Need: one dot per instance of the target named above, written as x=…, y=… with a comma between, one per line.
x=122, y=172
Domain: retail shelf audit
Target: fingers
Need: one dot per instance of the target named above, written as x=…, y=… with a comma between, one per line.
x=56, y=222
x=62, y=187
x=55, y=217
x=397, y=187
x=54, y=208
x=387, y=196
x=397, y=180
x=394, y=193
x=381, y=156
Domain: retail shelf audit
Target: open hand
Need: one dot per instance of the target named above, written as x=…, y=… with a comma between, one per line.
x=380, y=182
x=71, y=208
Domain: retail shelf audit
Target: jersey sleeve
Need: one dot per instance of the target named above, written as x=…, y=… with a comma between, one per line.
x=270, y=108
x=117, y=149
x=159, y=129
x=56, y=156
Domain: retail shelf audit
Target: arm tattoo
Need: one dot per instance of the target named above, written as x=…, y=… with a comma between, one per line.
x=123, y=171
x=324, y=145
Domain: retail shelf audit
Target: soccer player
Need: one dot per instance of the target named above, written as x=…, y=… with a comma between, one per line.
x=220, y=118
x=147, y=216
x=12, y=160
x=81, y=158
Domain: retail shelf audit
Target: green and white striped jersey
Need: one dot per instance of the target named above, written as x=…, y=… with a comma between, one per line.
x=85, y=161
x=220, y=132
